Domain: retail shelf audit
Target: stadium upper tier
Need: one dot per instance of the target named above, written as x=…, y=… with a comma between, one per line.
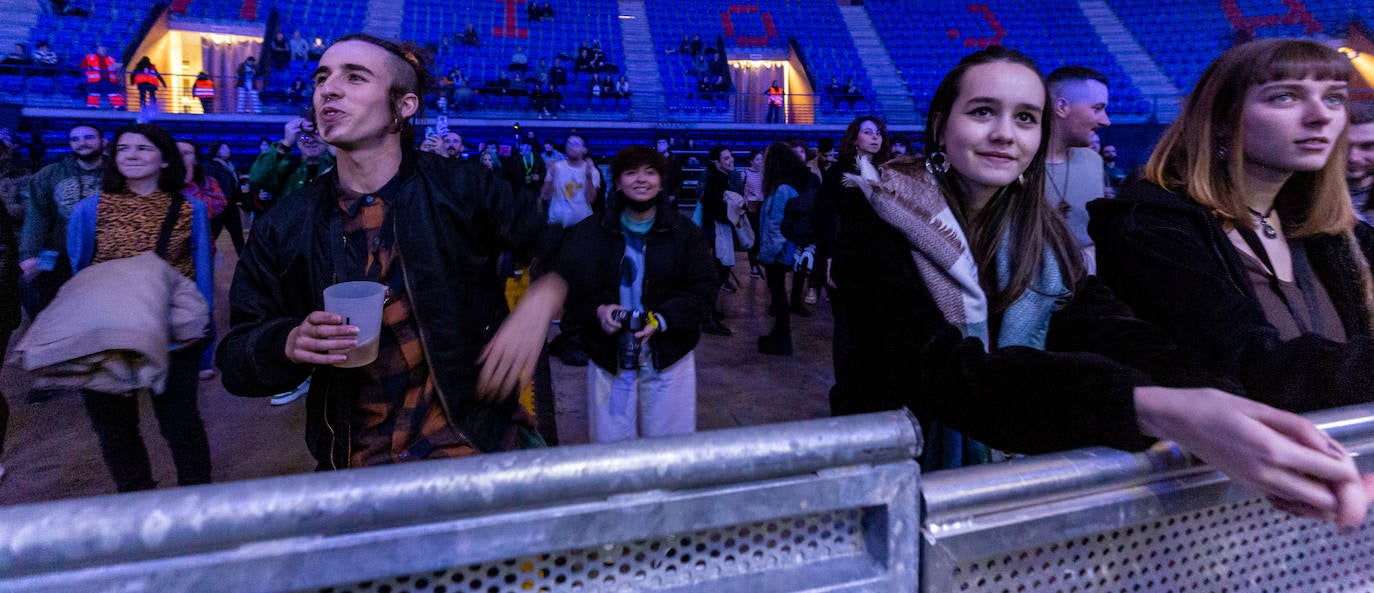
x=922, y=39
x=1183, y=36
x=757, y=26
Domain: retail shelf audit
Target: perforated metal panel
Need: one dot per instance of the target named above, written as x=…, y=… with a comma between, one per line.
x=1246, y=546
x=647, y=565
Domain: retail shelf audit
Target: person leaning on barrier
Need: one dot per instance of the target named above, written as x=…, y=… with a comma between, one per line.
x=430, y=230
x=929, y=276
x=1249, y=220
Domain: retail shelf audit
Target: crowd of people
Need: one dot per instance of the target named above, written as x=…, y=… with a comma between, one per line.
x=281, y=77
x=989, y=281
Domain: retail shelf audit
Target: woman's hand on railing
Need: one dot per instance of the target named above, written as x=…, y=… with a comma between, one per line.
x=1281, y=455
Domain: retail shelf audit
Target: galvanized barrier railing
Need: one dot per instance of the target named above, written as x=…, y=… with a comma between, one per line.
x=818, y=505
x=1104, y=520
x=824, y=505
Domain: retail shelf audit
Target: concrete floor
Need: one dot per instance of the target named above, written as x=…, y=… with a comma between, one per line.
x=51, y=451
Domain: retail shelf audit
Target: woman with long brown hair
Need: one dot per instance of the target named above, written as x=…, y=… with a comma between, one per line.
x=865, y=137
x=785, y=176
x=1244, y=210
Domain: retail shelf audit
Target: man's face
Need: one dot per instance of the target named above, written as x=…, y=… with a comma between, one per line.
x=1361, y=165
x=726, y=162
x=223, y=152
x=1095, y=144
x=898, y=148
x=85, y=143
x=1109, y=153
x=575, y=147
x=311, y=146
x=827, y=158
x=453, y=144
x=1081, y=110
x=661, y=145
x=351, y=103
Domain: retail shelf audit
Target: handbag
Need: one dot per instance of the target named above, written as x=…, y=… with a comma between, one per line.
x=744, y=234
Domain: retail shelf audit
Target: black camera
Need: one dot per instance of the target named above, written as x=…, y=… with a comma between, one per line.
x=631, y=322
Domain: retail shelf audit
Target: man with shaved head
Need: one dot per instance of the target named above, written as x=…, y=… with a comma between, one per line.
x=431, y=230
x=1359, y=172
x=1073, y=171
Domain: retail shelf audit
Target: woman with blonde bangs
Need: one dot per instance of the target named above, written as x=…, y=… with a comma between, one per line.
x=1245, y=212
x=969, y=305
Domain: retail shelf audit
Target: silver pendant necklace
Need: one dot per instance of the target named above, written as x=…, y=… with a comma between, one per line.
x=1062, y=193
x=1269, y=231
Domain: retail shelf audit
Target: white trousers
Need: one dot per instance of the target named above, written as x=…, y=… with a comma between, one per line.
x=248, y=101
x=642, y=403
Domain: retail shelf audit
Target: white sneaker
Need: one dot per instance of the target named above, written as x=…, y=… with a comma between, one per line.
x=810, y=297
x=282, y=399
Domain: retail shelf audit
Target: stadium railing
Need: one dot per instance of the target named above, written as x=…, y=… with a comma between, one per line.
x=824, y=504
x=1104, y=520
x=821, y=505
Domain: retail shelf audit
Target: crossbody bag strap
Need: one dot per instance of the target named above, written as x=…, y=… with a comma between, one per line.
x=164, y=235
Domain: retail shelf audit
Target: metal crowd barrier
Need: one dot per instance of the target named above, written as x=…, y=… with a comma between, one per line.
x=823, y=505
x=1106, y=521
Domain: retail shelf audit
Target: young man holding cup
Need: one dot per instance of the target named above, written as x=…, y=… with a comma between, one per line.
x=428, y=230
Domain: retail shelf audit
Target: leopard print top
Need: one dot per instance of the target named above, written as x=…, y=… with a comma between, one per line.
x=127, y=225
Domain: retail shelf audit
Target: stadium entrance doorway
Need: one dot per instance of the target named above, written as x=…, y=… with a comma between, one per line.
x=751, y=79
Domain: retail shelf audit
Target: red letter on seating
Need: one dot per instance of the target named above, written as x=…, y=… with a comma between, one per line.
x=510, y=30
x=1297, y=14
x=998, y=32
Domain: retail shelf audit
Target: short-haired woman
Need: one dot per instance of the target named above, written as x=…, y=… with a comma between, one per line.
x=640, y=278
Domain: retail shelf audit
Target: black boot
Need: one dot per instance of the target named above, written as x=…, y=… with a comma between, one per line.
x=723, y=272
x=713, y=326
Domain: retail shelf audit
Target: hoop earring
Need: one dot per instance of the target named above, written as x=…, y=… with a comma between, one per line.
x=937, y=163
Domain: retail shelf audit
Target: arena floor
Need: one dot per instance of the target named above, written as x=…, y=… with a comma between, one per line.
x=51, y=451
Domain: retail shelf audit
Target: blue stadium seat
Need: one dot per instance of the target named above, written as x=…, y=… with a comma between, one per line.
x=926, y=39
x=1156, y=25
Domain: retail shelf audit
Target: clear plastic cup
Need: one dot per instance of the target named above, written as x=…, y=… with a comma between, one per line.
x=360, y=304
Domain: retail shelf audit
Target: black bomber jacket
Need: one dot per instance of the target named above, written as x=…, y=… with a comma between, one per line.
x=452, y=222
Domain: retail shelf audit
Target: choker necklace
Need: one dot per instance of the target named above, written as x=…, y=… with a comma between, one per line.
x=1269, y=231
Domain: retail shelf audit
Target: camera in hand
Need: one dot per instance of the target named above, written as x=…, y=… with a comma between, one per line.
x=631, y=322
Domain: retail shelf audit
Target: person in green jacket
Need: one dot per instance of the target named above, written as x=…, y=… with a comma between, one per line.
x=279, y=172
